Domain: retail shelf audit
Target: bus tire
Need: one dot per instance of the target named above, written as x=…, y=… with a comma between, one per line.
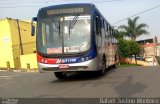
x=115, y=58
x=103, y=70
x=60, y=75
x=114, y=66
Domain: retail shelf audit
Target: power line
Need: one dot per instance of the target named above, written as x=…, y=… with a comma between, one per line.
x=58, y=1
x=20, y=2
x=106, y=1
x=47, y=2
x=32, y=2
x=35, y=2
x=137, y=14
x=20, y=6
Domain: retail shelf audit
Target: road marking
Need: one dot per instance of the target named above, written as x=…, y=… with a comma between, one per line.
x=8, y=77
x=5, y=78
x=3, y=70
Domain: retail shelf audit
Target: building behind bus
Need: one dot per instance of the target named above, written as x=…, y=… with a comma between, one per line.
x=16, y=44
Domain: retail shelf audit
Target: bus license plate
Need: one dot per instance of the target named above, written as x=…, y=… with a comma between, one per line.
x=63, y=66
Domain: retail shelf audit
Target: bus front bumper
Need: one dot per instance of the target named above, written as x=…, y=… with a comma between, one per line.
x=91, y=65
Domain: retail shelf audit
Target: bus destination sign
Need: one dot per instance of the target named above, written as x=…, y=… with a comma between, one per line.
x=65, y=11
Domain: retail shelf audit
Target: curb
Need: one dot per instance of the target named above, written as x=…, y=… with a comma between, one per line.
x=19, y=70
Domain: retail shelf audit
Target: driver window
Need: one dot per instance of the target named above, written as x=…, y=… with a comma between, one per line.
x=98, y=27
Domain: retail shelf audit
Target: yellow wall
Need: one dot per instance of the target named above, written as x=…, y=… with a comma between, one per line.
x=10, y=41
x=139, y=62
x=143, y=63
x=29, y=58
x=28, y=41
x=6, y=53
x=149, y=51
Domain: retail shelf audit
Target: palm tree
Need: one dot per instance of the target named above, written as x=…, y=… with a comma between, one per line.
x=133, y=30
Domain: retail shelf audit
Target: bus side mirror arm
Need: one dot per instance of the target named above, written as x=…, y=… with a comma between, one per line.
x=32, y=26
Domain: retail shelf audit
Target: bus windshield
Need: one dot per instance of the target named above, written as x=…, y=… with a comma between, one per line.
x=64, y=34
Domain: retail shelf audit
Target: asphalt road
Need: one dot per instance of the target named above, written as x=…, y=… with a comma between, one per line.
x=120, y=82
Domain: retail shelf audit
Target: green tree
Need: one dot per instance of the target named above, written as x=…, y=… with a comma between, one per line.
x=123, y=48
x=133, y=29
x=134, y=49
x=128, y=48
x=119, y=35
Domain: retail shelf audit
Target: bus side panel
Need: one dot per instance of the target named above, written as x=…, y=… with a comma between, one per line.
x=97, y=40
x=106, y=42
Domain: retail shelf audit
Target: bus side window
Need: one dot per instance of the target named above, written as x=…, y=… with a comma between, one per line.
x=97, y=30
x=105, y=27
x=104, y=34
x=98, y=27
x=108, y=29
x=111, y=37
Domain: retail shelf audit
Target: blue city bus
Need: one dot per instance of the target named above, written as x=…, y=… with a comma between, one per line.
x=74, y=38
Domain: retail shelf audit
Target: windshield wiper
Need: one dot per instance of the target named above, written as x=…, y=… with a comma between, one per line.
x=73, y=22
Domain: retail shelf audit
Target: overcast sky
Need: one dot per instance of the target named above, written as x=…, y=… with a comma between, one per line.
x=113, y=11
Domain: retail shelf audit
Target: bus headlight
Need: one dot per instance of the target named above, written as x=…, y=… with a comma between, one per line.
x=82, y=59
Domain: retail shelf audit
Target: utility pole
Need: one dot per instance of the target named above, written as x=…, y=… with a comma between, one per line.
x=20, y=40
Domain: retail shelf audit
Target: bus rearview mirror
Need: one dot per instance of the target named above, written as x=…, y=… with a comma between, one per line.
x=33, y=31
x=32, y=26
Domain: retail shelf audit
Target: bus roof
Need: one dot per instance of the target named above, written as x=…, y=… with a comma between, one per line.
x=68, y=5
x=74, y=5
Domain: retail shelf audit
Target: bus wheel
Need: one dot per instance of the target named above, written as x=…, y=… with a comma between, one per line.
x=114, y=66
x=60, y=75
x=103, y=70
x=115, y=58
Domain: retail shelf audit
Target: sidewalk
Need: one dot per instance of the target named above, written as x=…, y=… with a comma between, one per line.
x=18, y=70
